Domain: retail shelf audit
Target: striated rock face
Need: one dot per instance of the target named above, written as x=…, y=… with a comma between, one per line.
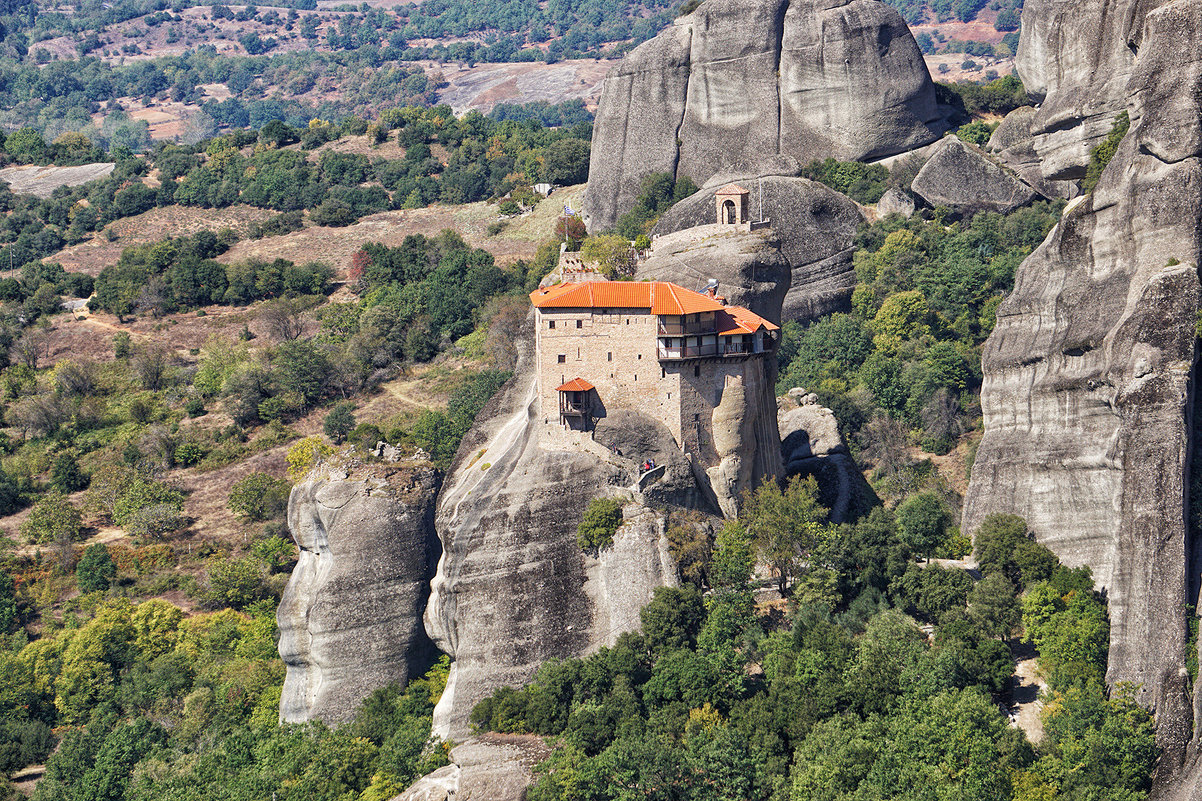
x=350, y=617
x=959, y=176
x=1089, y=374
x=745, y=437
x=1076, y=57
x=814, y=228
x=742, y=87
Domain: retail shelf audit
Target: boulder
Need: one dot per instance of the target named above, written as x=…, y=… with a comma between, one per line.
x=813, y=228
x=1090, y=373
x=492, y=767
x=811, y=445
x=895, y=201
x=961, y=177
x=350, y=617
x=749, y=266
x=750, y=87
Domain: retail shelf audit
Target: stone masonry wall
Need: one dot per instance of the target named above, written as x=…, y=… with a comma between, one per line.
x=617, y=354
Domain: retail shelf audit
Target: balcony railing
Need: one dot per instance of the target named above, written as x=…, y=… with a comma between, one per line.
x=705, y=351
x=682, y=329
x=694, y=352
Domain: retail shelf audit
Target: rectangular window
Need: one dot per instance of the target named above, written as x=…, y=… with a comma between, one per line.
x=580, y=323
x=609, y=357
x=551, y=324
x=636, y=376
x=697, y=371
x=663, y=373
x=563, y=357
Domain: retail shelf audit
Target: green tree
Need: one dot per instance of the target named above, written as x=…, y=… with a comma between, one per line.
x=673, y=618
x=922, y=521
x=340, y=421
x=259, y=497
x=96, y=569
x=65, y=475
x=8, y=602
x=53, y=519
x=995, y=606
x=901, y=317
x=602, y=519
x=785, y=526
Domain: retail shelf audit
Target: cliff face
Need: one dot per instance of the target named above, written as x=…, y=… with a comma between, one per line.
x=350, y=617
x=813, y=228
x=1090, y=372
x=1075, y=57
x=744, y=87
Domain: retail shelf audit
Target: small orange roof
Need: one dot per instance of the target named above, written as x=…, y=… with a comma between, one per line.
x=737, y=320
x=575, y=385
x=660, y=297
x=732, y=189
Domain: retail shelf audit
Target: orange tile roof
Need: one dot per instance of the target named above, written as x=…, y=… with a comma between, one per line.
x=575, y=385
x=732, y=189
x=660, y=297
x=737, y=320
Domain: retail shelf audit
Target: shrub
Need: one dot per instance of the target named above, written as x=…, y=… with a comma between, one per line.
x=863, y=183
x=259, y=497
x=96, y=569
x=52, y=519
x=1101, y=155
x=66, y=477
x=601, y=521
x=305, y=455
x=339, y=422
x=195, y=406
x=189, y=453
x=235, y=582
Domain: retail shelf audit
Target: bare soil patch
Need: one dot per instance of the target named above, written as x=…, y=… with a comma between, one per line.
x=42, y=181
x=97, y=253
x=956, y=73
x=519, y=240
x=483, y=86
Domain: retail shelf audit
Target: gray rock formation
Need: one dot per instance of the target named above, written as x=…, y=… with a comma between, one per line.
x=743, y=87
x=814, y=229
x=487, y=768
x=1090, y=373
x=745, y=438
x=811, y=445
x=350, y=617
x=961, y=177
x=895, y=201
x=749, y=267
x=1076, y=58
